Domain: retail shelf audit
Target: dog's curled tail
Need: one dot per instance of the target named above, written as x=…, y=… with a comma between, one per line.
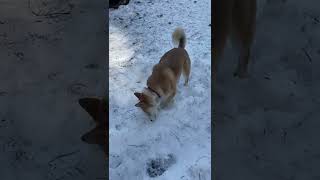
x=179, y=38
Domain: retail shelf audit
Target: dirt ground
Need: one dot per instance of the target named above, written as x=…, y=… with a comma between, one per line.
x=51, y=54
x=267, y=126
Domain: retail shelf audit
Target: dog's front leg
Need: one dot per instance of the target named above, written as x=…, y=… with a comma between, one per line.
x=242, y=67
x=169, y=100
x=153, y=117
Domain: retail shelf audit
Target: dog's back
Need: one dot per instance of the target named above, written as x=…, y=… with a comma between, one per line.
x=174, y=59
x=235, y=19
x=166, y=73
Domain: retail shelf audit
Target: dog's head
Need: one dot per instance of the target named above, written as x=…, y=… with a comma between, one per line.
x=149, y=103
x=97, y=109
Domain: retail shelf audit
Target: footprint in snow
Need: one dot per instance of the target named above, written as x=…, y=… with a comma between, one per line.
x=115, y=161
x=156, y=167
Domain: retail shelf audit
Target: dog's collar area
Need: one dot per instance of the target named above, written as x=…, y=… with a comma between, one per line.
x=154, y=91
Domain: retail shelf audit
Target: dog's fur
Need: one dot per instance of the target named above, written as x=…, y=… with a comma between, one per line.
x=162, y=83
x=235, y=19
x=97, y=109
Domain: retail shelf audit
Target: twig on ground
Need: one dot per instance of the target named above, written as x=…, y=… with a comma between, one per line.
x=307, y=54
x=314, y=18
x=178, y=139
x=50, y=14
x=138, y=146
x=201, y=158
x=63, y=155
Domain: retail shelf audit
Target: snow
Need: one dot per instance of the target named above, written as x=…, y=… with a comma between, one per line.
x=139, y=34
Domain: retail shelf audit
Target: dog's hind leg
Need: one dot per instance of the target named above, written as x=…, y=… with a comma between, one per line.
x=243, y=30
x=219, y=42
x=186, y=69
x=222, y=15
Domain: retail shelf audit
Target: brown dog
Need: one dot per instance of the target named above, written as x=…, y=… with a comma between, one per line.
x=97, y=109
x=235, y=19
x=162, y=83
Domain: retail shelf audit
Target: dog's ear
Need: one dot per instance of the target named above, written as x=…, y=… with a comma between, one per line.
x=91, y=105
x=138, y=95
x=95, y=136
x=138, y=104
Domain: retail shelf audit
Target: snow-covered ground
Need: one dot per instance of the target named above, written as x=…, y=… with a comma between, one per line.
x=178, y=143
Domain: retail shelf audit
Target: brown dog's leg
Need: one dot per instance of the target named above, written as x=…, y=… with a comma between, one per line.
x=170, y=98
x=186, y=71
x=221, y=29
x=243, y=30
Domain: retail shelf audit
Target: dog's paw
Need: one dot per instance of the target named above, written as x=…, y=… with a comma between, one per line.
x=241, y=74
x=156, y=167
x=169, y=104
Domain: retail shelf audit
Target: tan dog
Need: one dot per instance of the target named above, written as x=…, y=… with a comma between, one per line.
x=98, y=110
x=162, y=83
x=235, y=19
